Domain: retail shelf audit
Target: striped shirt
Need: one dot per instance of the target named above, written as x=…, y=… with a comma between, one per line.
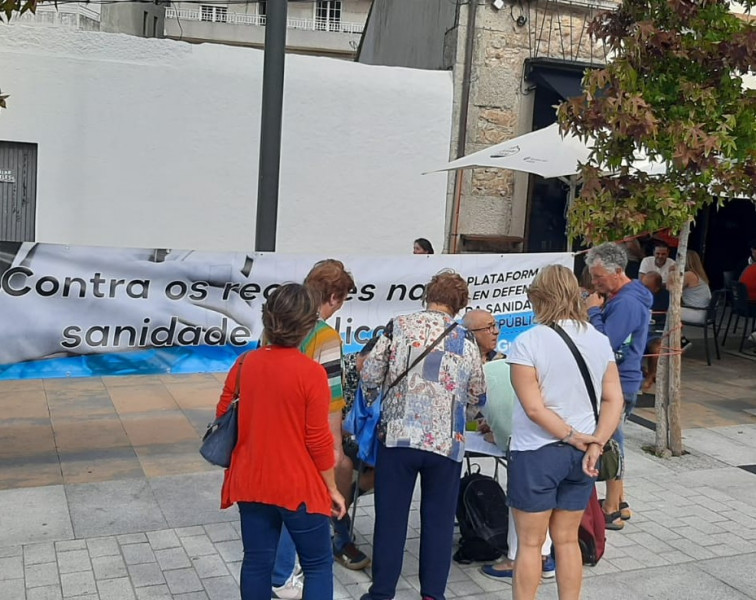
x=323, y=345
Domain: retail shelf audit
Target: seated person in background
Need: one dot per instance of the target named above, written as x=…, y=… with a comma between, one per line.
x=749, y=279
x=660, y=262
x=696, y=293
x=653, y=282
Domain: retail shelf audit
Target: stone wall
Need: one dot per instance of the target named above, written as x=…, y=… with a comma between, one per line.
x=493, y=200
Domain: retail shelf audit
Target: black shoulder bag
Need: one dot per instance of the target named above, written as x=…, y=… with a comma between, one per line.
x=610, y=465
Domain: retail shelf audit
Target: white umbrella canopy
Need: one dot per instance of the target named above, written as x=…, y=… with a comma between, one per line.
x=543, y=152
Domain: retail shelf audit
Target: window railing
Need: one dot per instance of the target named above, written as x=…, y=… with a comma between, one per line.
x=259, y=20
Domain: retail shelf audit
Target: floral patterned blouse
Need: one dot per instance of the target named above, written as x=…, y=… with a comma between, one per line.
x=426, y=410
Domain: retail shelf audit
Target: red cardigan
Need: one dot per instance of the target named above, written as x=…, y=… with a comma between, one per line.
x=284, y=436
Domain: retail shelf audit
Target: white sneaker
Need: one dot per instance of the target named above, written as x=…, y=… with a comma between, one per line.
x=291, y=590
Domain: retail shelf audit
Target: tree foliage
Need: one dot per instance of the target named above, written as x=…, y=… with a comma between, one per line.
x=674, y=92
x=10, y=7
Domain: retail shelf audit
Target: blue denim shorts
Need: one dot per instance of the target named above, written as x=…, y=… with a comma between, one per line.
x=549, y=478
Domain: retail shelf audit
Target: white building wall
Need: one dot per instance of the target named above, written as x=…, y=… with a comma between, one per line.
x=154, y=143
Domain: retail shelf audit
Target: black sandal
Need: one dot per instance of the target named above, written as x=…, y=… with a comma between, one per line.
x=624, y=509
x=613, y=521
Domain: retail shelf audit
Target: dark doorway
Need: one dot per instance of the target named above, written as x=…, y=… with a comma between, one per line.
x=18, y=191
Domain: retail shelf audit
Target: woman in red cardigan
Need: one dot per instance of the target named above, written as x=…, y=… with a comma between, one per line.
x=282, y=467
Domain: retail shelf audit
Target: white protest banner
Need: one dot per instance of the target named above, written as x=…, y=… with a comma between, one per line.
x=83, y=311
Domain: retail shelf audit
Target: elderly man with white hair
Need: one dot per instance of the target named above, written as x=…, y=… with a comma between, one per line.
x=621, y=309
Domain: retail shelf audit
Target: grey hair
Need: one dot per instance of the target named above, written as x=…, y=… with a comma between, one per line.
x=611, y=256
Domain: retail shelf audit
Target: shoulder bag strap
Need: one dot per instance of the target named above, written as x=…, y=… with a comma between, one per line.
x=238, y=376
x=425, y=353
x=581, y=365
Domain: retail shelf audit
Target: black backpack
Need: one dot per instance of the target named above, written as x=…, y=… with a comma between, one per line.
x=482, y=515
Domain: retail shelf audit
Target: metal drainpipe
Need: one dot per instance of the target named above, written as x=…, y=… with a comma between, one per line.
x=463, y=114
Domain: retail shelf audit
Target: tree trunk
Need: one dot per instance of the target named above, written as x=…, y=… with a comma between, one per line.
x=675, y=359
x=660, y=401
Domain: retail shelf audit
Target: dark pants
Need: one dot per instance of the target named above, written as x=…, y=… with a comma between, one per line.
x=395, y=474
x=261, y=529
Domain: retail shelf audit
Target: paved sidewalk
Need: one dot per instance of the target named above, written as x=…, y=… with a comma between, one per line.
x=103, y=496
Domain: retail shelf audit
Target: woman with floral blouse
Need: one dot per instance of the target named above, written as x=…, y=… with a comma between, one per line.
x=422, y=432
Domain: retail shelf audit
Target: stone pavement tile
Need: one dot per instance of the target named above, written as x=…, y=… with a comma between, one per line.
x=355, y=590
x=103, y=546
x=132, y=538
x=160, y=540
x=145, y=575
x=11, y=568
x=165, y=428
x=33, y=515
x=180, y=458
x=743, y=519
x=222, y=588
x=191, y=596
x=39, y=553
x=182, y=581
x=155, y=592
x=73, y=561
x=339, y=591
x=221, y=532
x=91, y=434
x=80, y=407
x=676, y=556
x=8, y=551
x=78, y=584
x=706, y=526
x=23, y=404
x=235, y=568
x=142, y=398
x=231, y=551
x=649, y=541
x=100, y=464
x=463, y=588
x=198, y=545
x=209, y=566
x=627, y=563
x=687, y=581
x=712, y=443
x=172, y=558
x=183, y=532
x=12, y=589
x=696, y=536
x=115, y=589
x=135, y=554
x=109, y=567
x=48, y=592
x=44, y=574
x=66, y=545
x=113, y=507
x=30, y=471
x=194, y=499
x=737, y=572
x=691, y=549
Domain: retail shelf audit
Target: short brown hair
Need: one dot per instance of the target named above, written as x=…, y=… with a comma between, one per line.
x=328, y=278
x=448, y=288
x=555, y=295
x=289, y=315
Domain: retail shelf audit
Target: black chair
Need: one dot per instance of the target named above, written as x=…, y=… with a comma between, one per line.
x=709, y=321
x=741, y=307
x=728, y=278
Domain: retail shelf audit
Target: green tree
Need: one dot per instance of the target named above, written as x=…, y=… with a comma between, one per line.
x=10, y=7
x=672, y=91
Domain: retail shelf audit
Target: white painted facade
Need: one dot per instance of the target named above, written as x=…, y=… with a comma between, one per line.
x=154, y=143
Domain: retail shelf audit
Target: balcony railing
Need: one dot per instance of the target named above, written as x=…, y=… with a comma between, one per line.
x=259, y=20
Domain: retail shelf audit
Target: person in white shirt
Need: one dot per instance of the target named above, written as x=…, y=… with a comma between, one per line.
x=556, y=441
x=660, y=262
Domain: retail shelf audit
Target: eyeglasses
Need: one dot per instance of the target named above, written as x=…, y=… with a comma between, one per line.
x=492, y=328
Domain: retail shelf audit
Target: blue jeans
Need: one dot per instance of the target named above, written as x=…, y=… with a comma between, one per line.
x=619, y=435
x=395, y=475
x=261, y=530
x=341, y=536
x=286, y=557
